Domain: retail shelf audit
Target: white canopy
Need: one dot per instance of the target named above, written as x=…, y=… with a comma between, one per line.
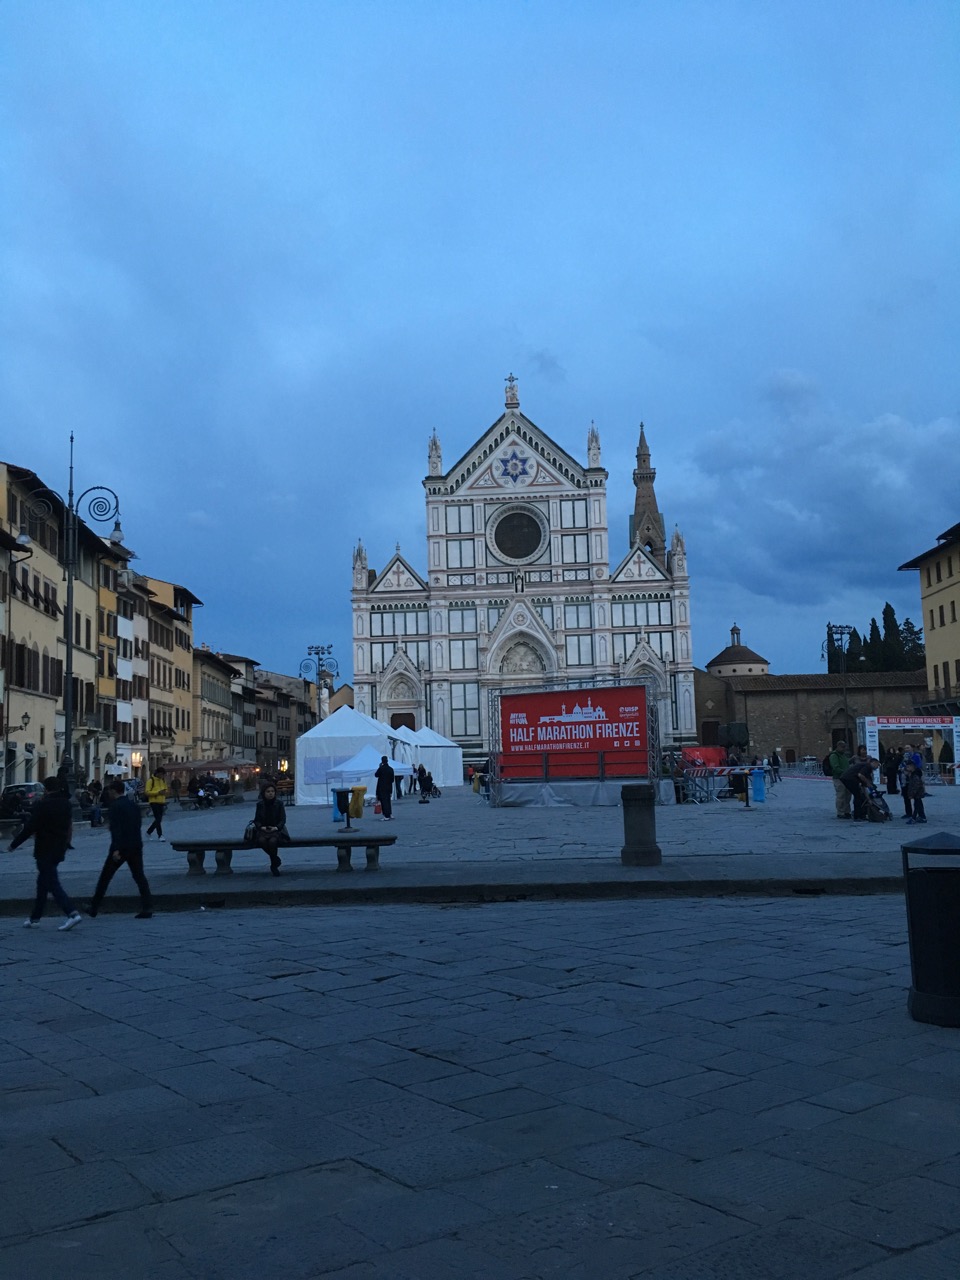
x=442, y=757
x=332, y=743
x=407, y=743
x=359, y=769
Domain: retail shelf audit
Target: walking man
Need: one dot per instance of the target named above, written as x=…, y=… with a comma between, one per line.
x=384, y=777
x=51, y=824
x=839, y=760
x=126, y=846
x=157, y=800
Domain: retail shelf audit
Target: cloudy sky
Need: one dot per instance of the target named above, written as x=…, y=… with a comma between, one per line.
x=254, y=253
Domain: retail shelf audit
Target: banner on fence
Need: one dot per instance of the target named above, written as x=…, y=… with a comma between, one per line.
x=564, y=720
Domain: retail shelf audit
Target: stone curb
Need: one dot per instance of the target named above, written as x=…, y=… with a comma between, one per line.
x=494, y=890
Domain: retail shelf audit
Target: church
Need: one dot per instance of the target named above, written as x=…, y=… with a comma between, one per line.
x=517, y=590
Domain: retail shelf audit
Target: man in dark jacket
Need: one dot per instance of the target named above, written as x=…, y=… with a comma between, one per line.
x=51, y=824
x=126, y=845
x=384, y=777
x=857, y=776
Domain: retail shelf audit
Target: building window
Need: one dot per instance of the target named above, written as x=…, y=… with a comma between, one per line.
x=933, y=625
x=946, y=677
x=460, y=553
x=953, y=610
x=494, y=614
x=577, y=616
x=929, y=579
x=461, y=621
x=463, y=655
x=460, y=520
x=418, y=651
x=936, y=675
x=465, y=710
x=942, y=620
x=545, y=610
x=574, y=548
x=573, y=513
x=624, y=643
x=938, y=572
x=579, y=651
x=380, y=654
x=399, y=622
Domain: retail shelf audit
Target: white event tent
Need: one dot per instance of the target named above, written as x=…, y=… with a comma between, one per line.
x=442, y=757
x=359, y=770
x=332, y=743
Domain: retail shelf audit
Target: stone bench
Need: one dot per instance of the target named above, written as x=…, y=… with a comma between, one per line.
x=188, y=801
x=223, y=849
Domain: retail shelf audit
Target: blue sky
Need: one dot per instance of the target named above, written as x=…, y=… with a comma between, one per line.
x=253, y=254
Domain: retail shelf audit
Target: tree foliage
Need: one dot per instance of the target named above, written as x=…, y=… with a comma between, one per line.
x=895, y=647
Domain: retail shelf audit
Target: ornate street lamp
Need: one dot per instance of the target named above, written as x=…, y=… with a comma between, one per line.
x=100, y=505
x=320, y=663
x=838, y=638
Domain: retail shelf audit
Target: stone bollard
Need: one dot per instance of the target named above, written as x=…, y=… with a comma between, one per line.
x=640, y=848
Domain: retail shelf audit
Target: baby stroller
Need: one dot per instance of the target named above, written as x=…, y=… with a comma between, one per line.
x=875, y=805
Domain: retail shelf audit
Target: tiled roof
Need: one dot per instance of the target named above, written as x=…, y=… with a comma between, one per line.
x=735, y=653
x=819, y=680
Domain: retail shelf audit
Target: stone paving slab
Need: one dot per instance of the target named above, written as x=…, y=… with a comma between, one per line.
x=566, y=1089
x=459, y=849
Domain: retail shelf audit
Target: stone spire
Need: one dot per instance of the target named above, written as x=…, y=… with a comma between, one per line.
x=360, y=566
x=646, y=525
x=512, y=399
x=593, y=446
x=678, y=553
x=434, y=456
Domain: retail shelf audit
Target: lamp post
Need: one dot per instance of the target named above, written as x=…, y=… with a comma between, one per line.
x=319, y=663
x=101, y=505
x=838, y=637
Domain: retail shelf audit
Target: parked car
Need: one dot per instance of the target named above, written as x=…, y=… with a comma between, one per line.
x=18, y=797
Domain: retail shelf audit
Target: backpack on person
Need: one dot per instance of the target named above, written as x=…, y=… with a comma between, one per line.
x=826, y=766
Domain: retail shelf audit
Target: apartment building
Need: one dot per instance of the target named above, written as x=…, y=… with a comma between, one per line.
x=212, y=705
x=179, y=603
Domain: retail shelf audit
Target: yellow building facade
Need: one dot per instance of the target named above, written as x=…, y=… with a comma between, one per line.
x=939, y=570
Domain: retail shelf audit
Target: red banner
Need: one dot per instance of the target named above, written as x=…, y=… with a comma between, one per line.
x=588, y=722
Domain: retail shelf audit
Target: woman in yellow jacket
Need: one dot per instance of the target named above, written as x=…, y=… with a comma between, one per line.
x=157, y=800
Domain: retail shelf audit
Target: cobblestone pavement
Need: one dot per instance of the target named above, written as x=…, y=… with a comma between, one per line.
x=794, y=834
x=681, y=1089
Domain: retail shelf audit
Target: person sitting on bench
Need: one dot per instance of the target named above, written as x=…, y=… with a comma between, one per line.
x=270, y=825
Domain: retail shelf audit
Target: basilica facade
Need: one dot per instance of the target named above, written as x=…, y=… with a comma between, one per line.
x=517, y=589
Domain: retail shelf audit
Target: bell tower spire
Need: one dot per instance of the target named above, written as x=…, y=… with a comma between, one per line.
x=646, y=524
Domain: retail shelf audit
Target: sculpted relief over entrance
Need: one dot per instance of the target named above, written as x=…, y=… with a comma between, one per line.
x=522, y=659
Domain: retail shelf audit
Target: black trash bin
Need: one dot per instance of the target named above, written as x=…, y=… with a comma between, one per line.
x=933, y=926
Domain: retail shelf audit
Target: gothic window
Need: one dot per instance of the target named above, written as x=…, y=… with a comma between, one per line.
x=465, y=710
x=460, y=553
x=579, y=651
x=577, y=616
x=463, y=655
x=574, y=548
x=573, y=513
x=459, y=519
x=545, y=610
x=462, y=620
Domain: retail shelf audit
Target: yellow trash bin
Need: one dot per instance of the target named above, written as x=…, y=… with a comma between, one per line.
x=356, y=801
